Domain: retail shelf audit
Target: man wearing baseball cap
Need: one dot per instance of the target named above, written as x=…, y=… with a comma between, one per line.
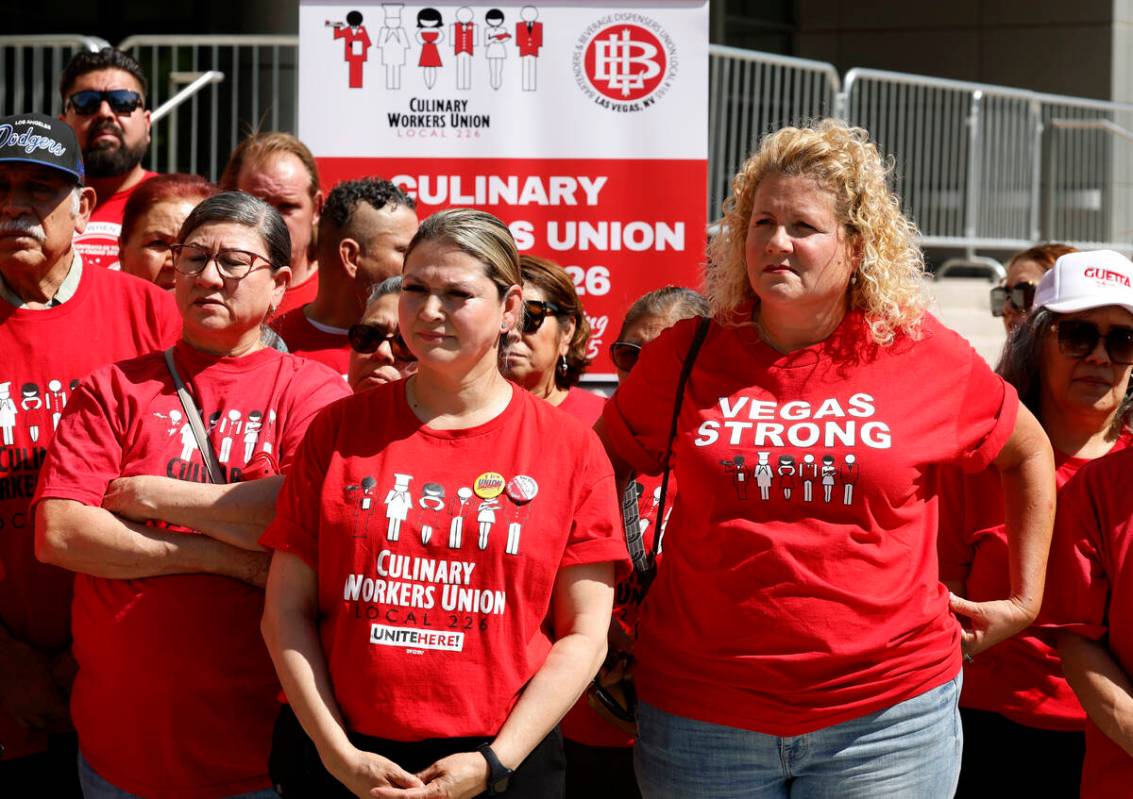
x=58, y=321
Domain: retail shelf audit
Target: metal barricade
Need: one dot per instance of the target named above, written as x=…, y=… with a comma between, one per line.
x=981, y=166
x=978, y=166
x=31, y=65
x=258, y=92
x=750, y=94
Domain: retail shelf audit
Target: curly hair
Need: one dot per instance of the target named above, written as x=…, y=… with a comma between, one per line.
x=344, y=199
x=558, y=287
x=844, y=162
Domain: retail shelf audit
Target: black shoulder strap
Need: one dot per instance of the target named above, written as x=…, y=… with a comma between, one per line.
x=196, y=424
x=682, y=383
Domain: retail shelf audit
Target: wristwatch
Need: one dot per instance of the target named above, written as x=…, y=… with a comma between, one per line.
x=499, y=775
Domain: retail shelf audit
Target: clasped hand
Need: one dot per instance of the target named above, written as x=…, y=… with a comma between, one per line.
x=459, y=776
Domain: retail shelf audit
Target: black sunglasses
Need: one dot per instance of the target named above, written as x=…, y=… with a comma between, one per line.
x=122, y=101
x=1021, y=296
x=365, y=339
x=535, y=311
x=624, y=355
x=1078, y=338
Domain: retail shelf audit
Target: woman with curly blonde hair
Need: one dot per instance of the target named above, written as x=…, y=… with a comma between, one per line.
x=796, y=640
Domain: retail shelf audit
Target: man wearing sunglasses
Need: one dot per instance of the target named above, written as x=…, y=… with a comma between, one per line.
x=59, y=320
x=104, y=102
x=364, y=228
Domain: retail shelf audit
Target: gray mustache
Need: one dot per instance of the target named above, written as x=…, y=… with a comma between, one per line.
x=32, y=229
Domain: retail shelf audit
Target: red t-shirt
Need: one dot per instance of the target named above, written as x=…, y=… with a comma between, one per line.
x=98, y=244
x=299, y=294
x=175, y=694
x=800, y=582
x=303, y=338
x=581, y=724
x=1020, y=678
x=583, y=405
x=43, y=355
x=437, y=552
x=1089, y=591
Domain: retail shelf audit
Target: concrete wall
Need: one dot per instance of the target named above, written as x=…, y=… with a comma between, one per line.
x=114, y=20
x=1057, y=46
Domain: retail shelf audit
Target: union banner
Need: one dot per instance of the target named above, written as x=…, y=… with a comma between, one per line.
x=583, y=126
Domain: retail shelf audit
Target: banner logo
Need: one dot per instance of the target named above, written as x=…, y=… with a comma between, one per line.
x=625, y=62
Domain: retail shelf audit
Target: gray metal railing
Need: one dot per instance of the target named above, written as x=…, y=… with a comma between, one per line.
x=978, y=166
x=30, y=67
x=259, y=92
x=751, y=94
x=982, y=167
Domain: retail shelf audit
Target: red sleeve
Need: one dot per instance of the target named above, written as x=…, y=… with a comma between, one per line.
x=953, y=543
x=596, y=533
x=169, y=319
x=86, y=452
x=295, y=528
x=985, y=417
x=313, y=388
x=638, y=415
x=1077, y=585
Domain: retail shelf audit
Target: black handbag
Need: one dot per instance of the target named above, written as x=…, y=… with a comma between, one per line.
x=611, y=694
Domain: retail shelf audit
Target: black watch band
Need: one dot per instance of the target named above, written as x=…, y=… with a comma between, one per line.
x=499, y=775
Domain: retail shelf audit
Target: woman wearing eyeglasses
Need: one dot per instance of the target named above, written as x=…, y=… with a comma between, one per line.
x=378, y=353
x=442, y=579
x=175, y=693
x=1013, y=299
x=1069, y=360
x=546, y=353
x=797, y=640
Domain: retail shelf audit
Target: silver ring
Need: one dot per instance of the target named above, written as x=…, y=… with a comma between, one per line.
x=968, y=658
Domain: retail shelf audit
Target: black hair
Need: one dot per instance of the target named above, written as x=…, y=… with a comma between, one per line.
x=494, y=13
x=85, y=62
x=243, y=209
x=354, y=19
x=431, y=16
x=377, y=193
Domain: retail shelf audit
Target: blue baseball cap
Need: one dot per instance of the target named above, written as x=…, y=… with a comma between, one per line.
x=40, y=139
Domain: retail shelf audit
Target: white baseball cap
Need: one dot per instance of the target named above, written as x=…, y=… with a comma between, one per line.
x=1080, y=281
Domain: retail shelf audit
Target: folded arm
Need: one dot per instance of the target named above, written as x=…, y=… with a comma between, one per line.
x=236, y=513
x=94, y=541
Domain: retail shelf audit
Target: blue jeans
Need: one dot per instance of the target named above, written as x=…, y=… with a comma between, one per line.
x=95, y=787
x=908, y=751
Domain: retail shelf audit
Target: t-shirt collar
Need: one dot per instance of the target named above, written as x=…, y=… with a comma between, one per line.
x=65, y=291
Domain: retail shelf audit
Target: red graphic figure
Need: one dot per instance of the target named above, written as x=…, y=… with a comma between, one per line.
x=464, y=37
x=31, y=405
x=495, y=36
x=529, y=40
x=429, y=32
x=736, y=469
x=786, y=474
x=356, y=43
